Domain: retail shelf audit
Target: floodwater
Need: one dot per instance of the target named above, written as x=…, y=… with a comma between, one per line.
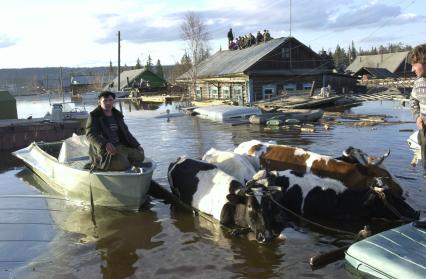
x=161, y=242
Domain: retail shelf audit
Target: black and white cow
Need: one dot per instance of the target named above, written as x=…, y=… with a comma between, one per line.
x=210, y=190
x=240, y=166
x=311, y=195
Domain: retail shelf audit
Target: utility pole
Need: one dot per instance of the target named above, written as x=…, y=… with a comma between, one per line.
x=291, y=66
x=118, y=68
x=290, y=18
x=47, y=82
x=62, y=85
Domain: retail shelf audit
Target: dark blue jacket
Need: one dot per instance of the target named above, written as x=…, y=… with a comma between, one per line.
x=98, y=134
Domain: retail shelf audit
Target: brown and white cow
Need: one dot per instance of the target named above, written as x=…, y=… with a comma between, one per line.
x=353, y=174
x=355, y=169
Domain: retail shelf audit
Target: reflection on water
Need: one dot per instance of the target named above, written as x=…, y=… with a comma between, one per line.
x=161, y=242
x=118, y=254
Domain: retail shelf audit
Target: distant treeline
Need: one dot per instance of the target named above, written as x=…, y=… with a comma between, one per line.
x=41, y=79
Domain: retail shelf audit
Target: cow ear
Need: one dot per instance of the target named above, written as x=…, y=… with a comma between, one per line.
x=234, y=199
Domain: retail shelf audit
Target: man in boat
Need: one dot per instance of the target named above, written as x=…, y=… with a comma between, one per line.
x=112, y=146
x=418, y=95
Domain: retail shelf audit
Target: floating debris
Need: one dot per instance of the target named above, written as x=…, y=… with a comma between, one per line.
x=308, y=129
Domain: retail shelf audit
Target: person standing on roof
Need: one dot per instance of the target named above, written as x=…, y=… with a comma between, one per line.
x=230, y=37
x=259, y=38
x=267, y=36
x=418, y=95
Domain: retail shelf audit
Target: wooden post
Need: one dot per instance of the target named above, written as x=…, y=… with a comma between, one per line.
x=312, y=89
x=118, y=66
x=328, y=257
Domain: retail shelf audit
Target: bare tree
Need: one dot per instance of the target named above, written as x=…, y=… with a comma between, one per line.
x=195, y=33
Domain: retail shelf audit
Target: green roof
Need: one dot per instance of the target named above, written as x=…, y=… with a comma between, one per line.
x=6, y=96
x=131, y=75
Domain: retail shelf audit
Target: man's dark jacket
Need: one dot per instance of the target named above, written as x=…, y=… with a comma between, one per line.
x=99, y=134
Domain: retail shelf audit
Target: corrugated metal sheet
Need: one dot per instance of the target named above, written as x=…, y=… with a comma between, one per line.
x=234, y=61
x=389, y=61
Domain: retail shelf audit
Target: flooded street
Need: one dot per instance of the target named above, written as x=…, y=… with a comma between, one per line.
x=160, y=242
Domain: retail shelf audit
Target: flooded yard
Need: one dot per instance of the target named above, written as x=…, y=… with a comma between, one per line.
x=161, y=242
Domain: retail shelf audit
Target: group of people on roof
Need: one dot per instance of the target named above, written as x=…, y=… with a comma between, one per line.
x=247, y=40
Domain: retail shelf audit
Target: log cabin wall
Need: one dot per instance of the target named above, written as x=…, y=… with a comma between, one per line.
x=291, y=55
x=291, y=66
x=284, y=65
x=232, y=88
x=265, y=87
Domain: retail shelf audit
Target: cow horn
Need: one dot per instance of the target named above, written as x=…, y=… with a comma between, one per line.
x=382, y=158
x=260, y=175
x=347, y=152
x=239, y=192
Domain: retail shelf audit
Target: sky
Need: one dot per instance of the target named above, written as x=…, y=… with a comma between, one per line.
x=83, y=33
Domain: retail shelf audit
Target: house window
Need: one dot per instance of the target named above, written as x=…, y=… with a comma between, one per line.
x=213, y=93
x=225, y=92
x=289, y=86
x=269, y=91
x=285, y=52
x=237, y=92
x=198, y=92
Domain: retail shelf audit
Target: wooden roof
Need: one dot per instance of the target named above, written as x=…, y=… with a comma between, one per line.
x=229, y=62
x=389, y=61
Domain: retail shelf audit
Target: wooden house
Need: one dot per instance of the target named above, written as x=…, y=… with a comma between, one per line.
x=395, y=63
x=85, y=83
x=264, y=71
x=143, y=79
x=374, y=73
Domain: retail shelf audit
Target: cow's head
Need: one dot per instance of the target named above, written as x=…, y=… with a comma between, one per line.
x=251, y=212
x=269, y=187
x=371, y=166
x=380, y=203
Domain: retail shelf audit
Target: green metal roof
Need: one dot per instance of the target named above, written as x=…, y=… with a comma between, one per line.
x=131, y=75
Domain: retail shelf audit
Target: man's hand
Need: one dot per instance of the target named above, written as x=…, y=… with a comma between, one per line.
x=420, y=123
x=110, y=148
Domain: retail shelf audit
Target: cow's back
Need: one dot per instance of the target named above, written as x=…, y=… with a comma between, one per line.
x=239, y=166
x=281, y=157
